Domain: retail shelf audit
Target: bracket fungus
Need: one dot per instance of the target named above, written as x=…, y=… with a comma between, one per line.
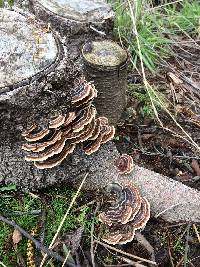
x=49, y=146
x=127, y=213
x=124, y=164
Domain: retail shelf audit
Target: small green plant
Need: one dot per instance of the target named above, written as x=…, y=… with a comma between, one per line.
x=140, y=94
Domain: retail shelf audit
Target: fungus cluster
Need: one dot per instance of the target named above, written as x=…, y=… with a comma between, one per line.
x=127, y=213
x=48, y=147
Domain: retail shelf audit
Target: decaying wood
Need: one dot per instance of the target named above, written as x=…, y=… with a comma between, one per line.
x=174, y=201
x=105, y=63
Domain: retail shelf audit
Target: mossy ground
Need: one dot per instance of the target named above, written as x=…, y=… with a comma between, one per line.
x=54, y=203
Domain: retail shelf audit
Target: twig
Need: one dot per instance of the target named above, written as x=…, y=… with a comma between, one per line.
x=20, y=213
x=66, y=258
x=196, y=232
x=186, y=246
x=179, y=264
x=85, y=205
x=38, y=245
x=64, y=217
x=92, y=238
x=125, y=253
x=2, y=264
x=145, y=243
x=133, y=263
x=170, y=254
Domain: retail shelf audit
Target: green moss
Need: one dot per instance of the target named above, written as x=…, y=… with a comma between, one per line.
x=56, y=203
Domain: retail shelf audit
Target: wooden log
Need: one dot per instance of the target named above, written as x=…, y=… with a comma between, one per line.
x=174, y=201
x=105, y=63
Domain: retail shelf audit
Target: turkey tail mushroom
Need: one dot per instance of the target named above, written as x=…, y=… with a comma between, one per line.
x=49, y=147
x=129, y=213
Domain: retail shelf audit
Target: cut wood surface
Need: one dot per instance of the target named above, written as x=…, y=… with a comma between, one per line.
x=75, y=17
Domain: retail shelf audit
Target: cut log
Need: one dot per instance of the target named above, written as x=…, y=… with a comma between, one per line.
x=35, y=94
x=105, y=63
x=35, y=74
x=174, y=201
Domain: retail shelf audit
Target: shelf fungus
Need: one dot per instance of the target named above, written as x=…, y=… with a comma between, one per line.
x=124, y=164
x=127, y=213
x=48, y=147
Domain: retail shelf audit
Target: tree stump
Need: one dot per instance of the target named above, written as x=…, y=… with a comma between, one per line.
x=76, y=20
x=105, y=63
x=36, y=76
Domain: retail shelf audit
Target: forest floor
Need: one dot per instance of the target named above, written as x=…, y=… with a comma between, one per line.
x=160, y=129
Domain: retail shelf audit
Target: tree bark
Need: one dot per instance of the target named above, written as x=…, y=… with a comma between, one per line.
x=105, y=63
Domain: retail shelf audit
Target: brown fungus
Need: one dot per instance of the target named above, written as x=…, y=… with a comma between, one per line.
x=37, y=135
x=57, y=122
x=83, y=93
x=69, y=118
x=29, y=130
x=109, y=135
x=142, y=216
x=128, y=213
x=48, y=147
x=124, y=164
x=84, y=117
x=48, y=152
x=97, y=130
x=54, y=136
x=56, y=159
x=112, y=238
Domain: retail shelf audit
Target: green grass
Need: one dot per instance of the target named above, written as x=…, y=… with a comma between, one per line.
x=56, y=204
x=156, y=28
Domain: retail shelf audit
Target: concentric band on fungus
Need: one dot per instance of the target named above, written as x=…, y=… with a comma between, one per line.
x=69, y=118
x=29, y=130
x=49, y=152
x=86, y=133
x=142, y=216
x=57, y=122
x=92, y=146
x=85, y=117
x=81, y=91
x=40, y=146
x=32, y=137
x=88, y=99
x=56, y=159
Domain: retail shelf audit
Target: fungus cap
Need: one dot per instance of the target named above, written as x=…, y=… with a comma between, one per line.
x=40, y=146
x=124, y=164
x=57, y=122
x=37, y=135
x=56, y=159
x=48, y=152
x=143, y=215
